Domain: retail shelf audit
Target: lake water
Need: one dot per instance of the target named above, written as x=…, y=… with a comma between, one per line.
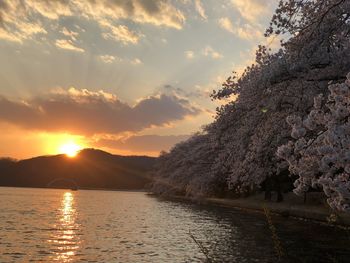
x=110, y=226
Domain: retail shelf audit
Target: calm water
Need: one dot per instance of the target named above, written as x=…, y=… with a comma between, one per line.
x=105, y=226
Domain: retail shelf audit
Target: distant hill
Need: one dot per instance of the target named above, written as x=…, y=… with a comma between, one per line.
x=91, y=168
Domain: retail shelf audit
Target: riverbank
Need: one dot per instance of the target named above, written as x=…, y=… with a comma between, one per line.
x=315, y=207
x=78, y=188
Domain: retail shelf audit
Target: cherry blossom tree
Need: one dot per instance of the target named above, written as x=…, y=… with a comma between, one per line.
x=320, y=154
x=186, y=169
x=250, y=129
x=241, y=144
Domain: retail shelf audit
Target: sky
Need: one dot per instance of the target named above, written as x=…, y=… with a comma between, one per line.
x=127, y=76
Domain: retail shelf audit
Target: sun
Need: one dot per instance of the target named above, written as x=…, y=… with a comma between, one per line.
x=70, y=149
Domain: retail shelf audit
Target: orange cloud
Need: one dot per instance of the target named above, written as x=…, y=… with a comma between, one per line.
x=243, y=31
x=253, y=10
x=68, y=45
x=200, y=9
x=121, y=33
x=14, y=29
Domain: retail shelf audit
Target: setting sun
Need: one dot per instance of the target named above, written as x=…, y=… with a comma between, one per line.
x=71, y=149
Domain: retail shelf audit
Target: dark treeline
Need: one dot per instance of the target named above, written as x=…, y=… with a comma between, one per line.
x=90, y=169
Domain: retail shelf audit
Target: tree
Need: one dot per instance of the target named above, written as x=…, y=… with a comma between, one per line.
x=186, y=169
x=250, y=129
x=247, y=131
x=320, y=154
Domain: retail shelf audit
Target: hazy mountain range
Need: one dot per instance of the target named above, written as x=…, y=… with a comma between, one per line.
x=91, y=168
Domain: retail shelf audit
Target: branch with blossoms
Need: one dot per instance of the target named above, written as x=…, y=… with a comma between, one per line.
x=323, y=160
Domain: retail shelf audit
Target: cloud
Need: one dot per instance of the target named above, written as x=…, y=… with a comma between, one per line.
x=155, y=12
x=208, y=51
x=87, y=112
x=142, y=143
x=121, y=33
x=192, y=94
x=243, y=31
x=48, y=9
x=10, y=36
x=189, y=54
x=249, y=32
x=253, y=10
x=107, y=58
x=226, y=24
x=68, y=45
x=250, y=23
x=68, y=42
x=136, y=61
x=22, y=20
x=14, y=29
x=200, y=9
x=70, y=34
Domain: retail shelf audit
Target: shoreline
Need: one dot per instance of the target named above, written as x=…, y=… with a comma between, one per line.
x=79, y=188
x=309, y=211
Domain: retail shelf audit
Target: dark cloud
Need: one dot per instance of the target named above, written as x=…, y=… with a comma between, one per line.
x=143, y=143
x=86, y=112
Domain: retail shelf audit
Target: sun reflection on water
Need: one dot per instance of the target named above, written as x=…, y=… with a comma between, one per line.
x=65, y=239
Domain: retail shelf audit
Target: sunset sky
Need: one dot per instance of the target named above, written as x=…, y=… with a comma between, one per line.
x=127, y=76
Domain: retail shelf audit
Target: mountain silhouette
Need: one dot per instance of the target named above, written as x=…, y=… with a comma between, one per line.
x=91, y=168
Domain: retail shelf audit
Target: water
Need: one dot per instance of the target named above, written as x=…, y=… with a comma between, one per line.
x=105, y=226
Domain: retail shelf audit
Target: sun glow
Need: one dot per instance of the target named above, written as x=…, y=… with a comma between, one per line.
x=71, y=149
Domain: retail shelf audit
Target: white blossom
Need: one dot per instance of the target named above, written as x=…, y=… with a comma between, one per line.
x=328, y=165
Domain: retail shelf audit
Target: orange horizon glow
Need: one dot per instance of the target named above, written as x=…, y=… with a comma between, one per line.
x=50, y=143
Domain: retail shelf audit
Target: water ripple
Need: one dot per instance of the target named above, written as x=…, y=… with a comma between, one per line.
x=101, y=226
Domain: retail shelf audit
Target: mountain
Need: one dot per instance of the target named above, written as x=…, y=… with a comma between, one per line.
x=91, y=168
